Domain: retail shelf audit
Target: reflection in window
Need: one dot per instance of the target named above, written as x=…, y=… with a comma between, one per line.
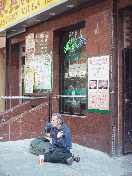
x=75, y=73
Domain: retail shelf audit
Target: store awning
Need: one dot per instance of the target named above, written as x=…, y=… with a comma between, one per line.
x=15, y=18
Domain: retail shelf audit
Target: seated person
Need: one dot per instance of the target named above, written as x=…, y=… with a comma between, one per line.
x=61, y=141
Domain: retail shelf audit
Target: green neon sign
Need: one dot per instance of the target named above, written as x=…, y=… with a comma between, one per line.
x=74, y=43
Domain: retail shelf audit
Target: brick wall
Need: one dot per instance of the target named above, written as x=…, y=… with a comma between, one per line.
x=29, y=124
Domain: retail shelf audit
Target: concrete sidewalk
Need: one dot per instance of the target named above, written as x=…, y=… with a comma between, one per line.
x=16, y=160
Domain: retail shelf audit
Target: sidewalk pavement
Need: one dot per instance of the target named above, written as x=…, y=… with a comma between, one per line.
x=16, y=160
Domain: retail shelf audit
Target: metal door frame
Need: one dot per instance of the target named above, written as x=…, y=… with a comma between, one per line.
x=20, y=72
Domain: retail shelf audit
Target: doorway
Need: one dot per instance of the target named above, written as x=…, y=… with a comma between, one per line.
x=127, y=54
x=127, y=100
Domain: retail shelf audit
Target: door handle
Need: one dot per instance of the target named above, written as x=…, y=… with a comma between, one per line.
x=127, y=100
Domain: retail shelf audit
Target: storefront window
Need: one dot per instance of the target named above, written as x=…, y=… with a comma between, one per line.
x=74, y=74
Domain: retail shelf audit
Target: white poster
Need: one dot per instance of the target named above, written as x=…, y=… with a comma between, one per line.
x=98, y=83
x=41, y=65
x=77, y=70
x=29, y=82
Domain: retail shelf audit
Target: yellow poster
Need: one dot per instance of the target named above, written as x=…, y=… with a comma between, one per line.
x=29, y=82
x=14, y=11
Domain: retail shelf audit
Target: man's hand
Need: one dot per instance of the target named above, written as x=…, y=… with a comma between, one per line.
x=60, y=134
x=48, y=134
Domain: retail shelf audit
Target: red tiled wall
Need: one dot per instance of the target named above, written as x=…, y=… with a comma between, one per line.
x=97, y=126
x=30, y=124
x=16, y=110
x=92, y=131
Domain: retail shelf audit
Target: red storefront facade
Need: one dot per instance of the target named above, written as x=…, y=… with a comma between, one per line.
x=103, y=25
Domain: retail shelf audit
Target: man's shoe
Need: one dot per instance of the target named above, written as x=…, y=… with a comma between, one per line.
x=69, y=161
x=76, y=158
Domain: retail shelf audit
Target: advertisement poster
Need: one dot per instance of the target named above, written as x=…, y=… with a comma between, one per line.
x=98, y=84
x=42, y=66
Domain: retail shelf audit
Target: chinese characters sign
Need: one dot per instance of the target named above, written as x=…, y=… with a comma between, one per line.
x=30, y=45
x=98, y=84
x=43, y=42
x=12, y=11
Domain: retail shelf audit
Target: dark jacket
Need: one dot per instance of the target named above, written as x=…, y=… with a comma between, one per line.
x=61, y=142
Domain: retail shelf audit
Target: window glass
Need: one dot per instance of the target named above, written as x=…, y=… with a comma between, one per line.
x=75, y=73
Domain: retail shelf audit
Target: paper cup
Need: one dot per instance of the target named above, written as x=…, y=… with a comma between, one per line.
x=41, y=157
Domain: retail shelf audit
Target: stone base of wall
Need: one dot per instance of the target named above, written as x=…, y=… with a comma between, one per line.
x=91, y=136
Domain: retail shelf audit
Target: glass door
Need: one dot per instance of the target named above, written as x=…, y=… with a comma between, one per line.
x=73, y=73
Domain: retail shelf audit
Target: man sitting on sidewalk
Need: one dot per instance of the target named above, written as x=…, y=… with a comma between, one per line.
x=61, y=141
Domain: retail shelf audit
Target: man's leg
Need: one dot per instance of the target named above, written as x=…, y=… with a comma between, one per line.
x=60, y=155
x=47, y=156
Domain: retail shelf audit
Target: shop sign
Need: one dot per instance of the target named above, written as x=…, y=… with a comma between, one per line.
x=98, y=84
x=13, y=11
